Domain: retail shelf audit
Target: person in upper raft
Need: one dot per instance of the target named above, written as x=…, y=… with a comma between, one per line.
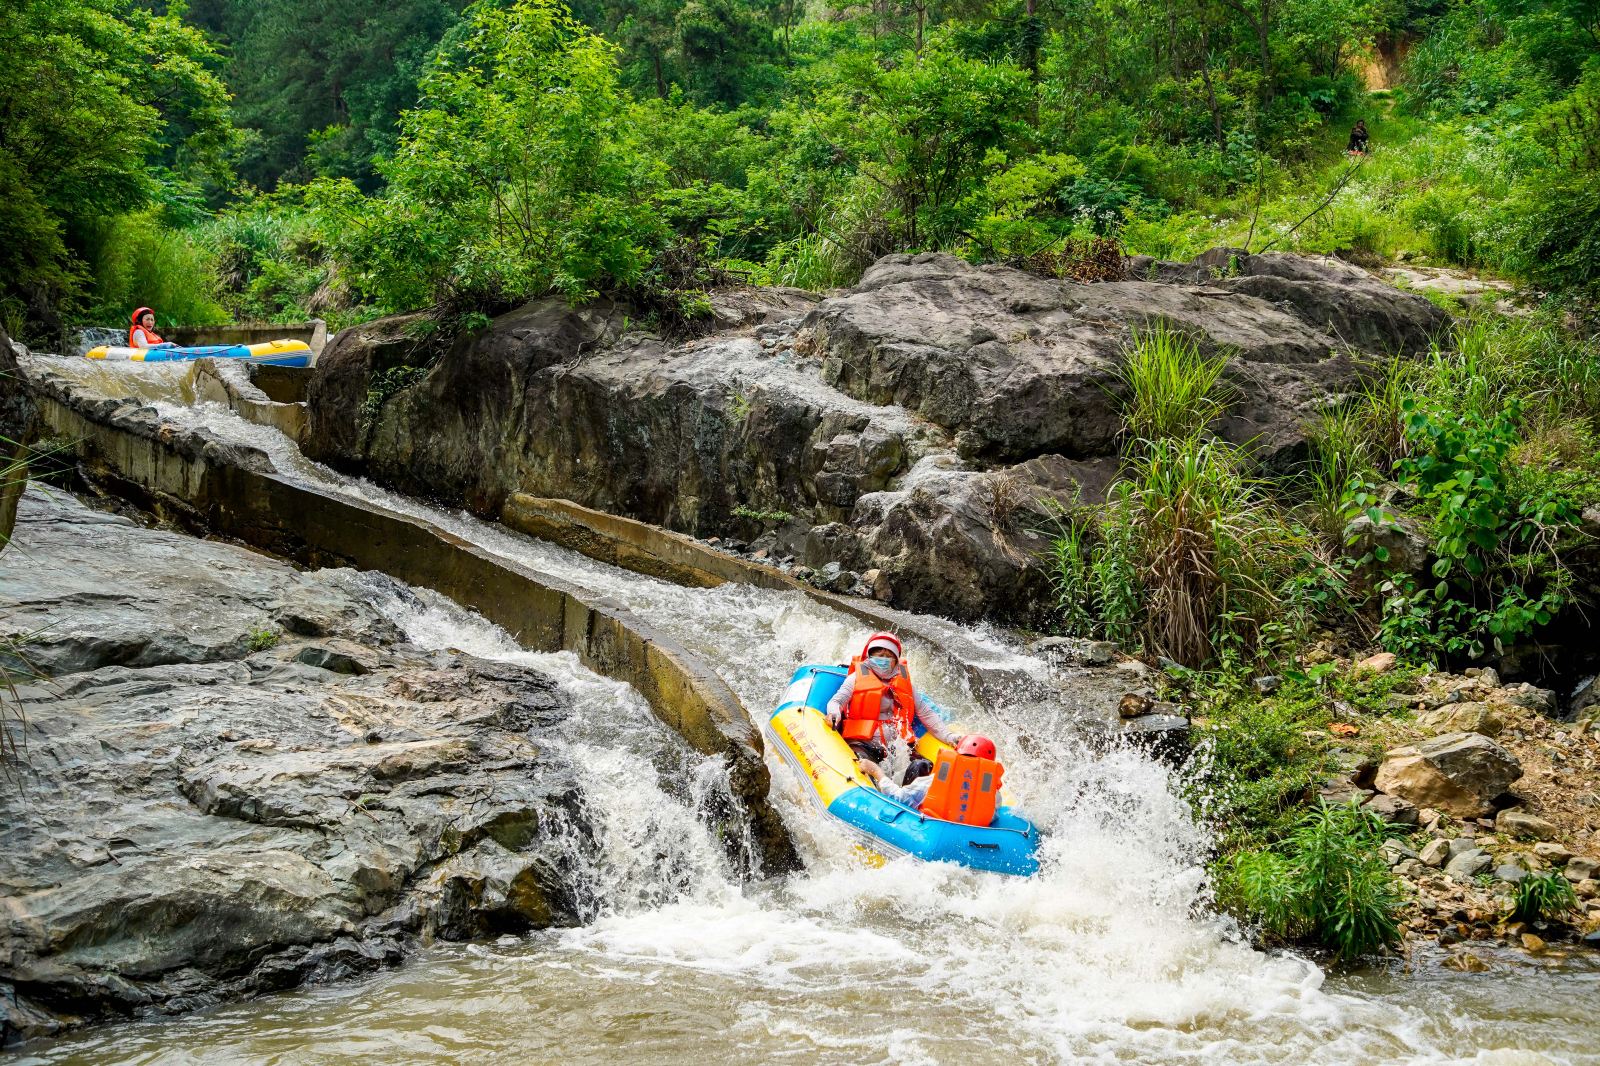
x=875, y=707
x=142, y=333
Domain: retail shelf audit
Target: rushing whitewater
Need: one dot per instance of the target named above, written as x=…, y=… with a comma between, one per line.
x=1111, y=954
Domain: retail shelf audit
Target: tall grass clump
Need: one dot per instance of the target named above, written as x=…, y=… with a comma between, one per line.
x=1175, y=391
x=14, y=669
x=1208, y=547
x=1187, y=556
x=1340, y=456
x=1542, y=896
x=1325, y=884
x=142, y=262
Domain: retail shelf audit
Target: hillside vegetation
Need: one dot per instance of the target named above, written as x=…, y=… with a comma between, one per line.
x=375, y=158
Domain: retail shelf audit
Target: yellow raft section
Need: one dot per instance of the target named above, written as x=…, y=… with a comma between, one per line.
x=815, y=749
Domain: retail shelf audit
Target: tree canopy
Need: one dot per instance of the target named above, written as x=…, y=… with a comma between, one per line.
x=431, y=152
x=105, y=108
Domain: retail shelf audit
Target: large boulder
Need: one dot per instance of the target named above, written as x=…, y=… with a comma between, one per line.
x=873, y=419
x=1459, y=773
x=222, y=797
x=1021, y=365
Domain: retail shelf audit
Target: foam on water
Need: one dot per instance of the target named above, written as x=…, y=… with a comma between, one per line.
x=1111, y=954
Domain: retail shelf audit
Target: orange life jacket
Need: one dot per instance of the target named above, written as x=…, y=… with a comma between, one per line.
x=965, y=789
x=867, y=719
x=149, y=335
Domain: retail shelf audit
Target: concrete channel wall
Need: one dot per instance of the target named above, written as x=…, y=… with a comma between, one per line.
x=212, y=485
x=314, y=333
x=648, y=549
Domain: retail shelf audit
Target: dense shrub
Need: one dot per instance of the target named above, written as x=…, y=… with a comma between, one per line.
x=514, y=177
x=1326, y=884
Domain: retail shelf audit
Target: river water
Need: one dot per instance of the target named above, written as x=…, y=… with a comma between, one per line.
x=1111, y=954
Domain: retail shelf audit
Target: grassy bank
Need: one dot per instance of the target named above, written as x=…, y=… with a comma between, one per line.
x=1246, y=584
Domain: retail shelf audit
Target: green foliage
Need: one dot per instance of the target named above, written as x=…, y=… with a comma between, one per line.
x=1495, y=529
x=1540, y=897
x=262, y=639
x=471, y=157
x=1262, y=763
x=319, y=87
x=143, y=262
x=1175, y=392
x=513, y=178
x=107, y=108
x=1325, y=884
x=1265, y=754
x=925, y=128
x=766, y=518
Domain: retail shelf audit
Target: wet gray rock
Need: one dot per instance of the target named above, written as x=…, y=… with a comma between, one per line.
x=198, y=820
x=1076, y=650
x=191, y=601
x=928, y=424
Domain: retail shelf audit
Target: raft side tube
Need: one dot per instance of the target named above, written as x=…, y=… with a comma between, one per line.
x=272, y=353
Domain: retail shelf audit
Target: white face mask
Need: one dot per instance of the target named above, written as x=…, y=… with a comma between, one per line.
x=882, y=665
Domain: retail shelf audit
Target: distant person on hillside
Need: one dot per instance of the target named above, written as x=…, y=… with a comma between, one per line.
x=142, y=333
x=1358, y=138
x=876, y=706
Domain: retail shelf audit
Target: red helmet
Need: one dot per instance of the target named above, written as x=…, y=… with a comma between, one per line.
x=974, y=744
x=883, y=640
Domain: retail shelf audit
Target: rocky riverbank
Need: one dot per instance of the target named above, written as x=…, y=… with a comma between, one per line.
x=237, y=777
x=1483, y=784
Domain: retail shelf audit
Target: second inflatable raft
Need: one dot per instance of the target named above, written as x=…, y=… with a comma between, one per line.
x=275, y=353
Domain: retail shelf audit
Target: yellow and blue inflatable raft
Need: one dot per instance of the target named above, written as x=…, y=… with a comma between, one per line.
x=799, y=730
x=273, y=353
